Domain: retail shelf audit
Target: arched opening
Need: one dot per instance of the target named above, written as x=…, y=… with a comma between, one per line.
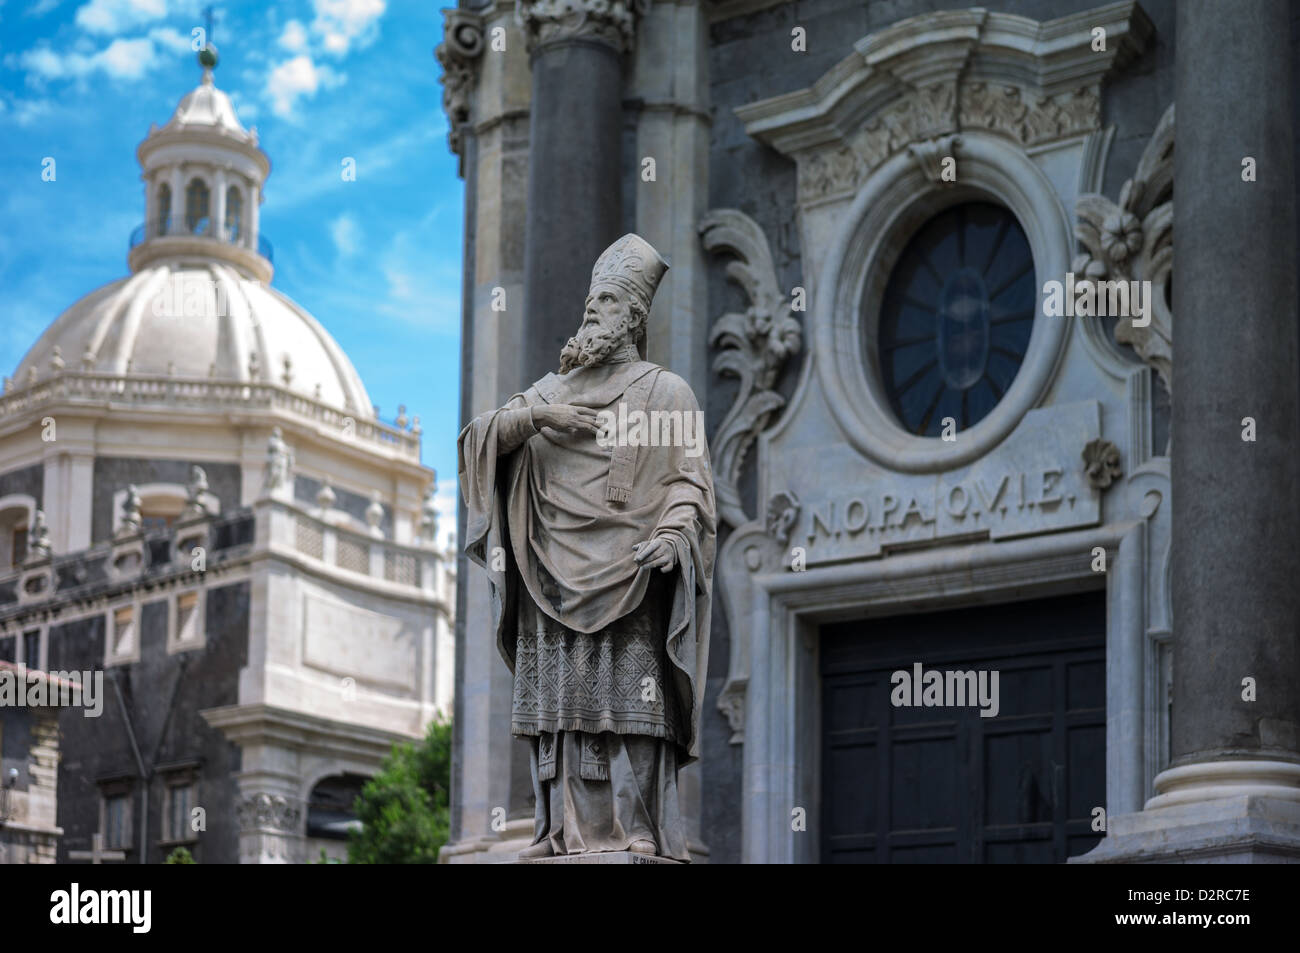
x=196, y=207
x=163, y=210
x=330, y=814
x=234, y=214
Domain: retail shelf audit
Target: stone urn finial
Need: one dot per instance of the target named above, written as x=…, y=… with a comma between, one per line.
x=131, y=517
x=375, y=514
x=325, y=496
x=279, y=465
x=195, y=507
x=38, y=546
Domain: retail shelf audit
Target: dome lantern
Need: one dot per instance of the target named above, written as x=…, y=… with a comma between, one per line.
x=203, y=175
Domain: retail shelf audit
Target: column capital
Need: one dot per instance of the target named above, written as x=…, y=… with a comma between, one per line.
x=612, y=22
x=459, y=54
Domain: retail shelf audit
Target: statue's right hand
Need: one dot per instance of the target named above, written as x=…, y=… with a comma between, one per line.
x=566, y=417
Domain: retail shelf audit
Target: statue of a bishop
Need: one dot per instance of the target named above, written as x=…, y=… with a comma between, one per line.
x=590, y=504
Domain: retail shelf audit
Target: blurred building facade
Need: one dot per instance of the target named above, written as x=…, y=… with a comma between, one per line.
x=200, y=509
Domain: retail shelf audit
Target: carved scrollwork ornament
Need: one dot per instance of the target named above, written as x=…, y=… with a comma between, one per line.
x=928, y=119
x=461, y=46
x=1133, y=240
x=754, y=346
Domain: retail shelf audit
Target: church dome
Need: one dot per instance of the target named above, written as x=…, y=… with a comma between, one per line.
x=198, y=320
x=198, y=305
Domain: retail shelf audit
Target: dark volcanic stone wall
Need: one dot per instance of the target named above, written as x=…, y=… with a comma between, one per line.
x=750, y=59
x=163, y=697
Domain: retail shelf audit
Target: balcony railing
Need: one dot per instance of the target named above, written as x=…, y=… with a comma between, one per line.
x=148, y=230
x=142, y=390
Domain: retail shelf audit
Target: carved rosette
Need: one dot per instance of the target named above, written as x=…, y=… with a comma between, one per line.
x=1133, y=240
x=782, y=511
x=551, y=21
x=754, y=344
x=931, y=116
x=1101, y=463
x=461, y=46
x=273, y=812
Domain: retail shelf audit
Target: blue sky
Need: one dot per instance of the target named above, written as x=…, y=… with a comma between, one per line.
x=377, y=260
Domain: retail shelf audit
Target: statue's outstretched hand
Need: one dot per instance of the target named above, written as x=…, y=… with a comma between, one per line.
x=566, y=417
x=655, y=552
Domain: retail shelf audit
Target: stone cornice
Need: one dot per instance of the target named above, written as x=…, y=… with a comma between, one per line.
x=728, y=9
x=612, y=22
x=269, y=724
x=934, y=54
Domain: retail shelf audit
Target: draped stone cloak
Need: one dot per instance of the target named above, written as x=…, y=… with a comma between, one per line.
x=565, y=538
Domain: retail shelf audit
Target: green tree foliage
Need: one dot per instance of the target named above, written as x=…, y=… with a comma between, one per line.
x=404, y=809
x=180, y=855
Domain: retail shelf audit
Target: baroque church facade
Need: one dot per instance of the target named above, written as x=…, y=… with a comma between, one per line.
x=942, y=441
x=202, y=516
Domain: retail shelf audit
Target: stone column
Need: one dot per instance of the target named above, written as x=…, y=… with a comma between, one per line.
x=177, y=178
x=1232, y=792
x=218, y=226
x=673, y=129
x=1235, y=546
x=486, y=94
x=575, y=174
x=254, y=214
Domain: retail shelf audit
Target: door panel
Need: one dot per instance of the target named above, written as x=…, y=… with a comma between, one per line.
x=942, y=784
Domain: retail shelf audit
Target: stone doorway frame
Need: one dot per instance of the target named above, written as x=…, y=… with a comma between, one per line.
x=782, y=746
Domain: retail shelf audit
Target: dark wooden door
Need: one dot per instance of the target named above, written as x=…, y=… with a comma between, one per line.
x=942, y=784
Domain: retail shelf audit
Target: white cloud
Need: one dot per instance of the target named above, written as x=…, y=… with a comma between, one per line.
x=294, y=37
x=46, y=63
x=115, y=16
x=126, y=59
x=121, y=59
x=171, y=39
x=41, y=7
x=295, y=78
x=341, y=23
x=27, y=111
x=345, y=233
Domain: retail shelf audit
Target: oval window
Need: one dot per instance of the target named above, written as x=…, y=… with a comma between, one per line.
x=956, y=317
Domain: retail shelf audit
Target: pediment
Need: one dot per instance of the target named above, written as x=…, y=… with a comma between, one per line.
x=937, y=74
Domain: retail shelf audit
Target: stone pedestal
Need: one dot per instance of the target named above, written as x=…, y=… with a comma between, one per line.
x=606, y=857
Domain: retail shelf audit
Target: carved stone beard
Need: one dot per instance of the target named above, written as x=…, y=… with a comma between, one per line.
x=594, y=344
